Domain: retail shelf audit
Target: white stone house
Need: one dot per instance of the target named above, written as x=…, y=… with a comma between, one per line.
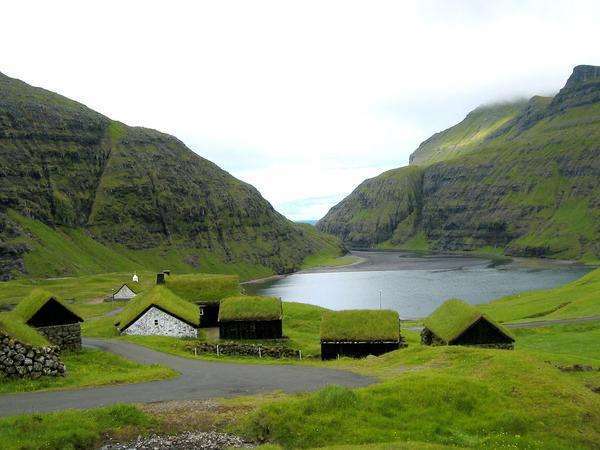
x=123, y=293
x=159, y=312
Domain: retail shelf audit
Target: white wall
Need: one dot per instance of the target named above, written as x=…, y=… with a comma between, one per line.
x=155, y=322
x=124, y=293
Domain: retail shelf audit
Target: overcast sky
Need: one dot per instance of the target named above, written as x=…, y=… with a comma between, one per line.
x=302, y=99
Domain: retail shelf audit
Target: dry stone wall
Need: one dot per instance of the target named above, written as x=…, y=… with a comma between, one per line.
x=237, y=349
x=67, y=337
x=24, y=361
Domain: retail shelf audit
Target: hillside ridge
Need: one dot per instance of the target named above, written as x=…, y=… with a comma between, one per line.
x=519, y=178
x=133, y=190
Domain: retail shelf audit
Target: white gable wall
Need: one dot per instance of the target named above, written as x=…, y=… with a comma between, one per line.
x=124, y=293
x=156, y=322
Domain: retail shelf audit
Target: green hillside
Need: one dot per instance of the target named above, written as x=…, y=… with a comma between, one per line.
x=467, y=135
x=81, y=193
x=521, y=178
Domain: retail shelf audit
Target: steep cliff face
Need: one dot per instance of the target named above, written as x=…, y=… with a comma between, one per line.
x=130, y=190
x=530, y=187
x=381, y=208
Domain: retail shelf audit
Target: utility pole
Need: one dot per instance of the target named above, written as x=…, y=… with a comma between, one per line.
x=379, y=298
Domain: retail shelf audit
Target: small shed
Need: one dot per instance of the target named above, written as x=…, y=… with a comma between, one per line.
x=455, y=322
x=359, y=333
x=52, y=318
x=246, y=317
x=124, y=293
x=159, y=312
x=205, y=290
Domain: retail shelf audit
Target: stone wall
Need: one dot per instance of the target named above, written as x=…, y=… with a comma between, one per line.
x=67, y=337
x=156, y=322
x=24, y=361
x=236, y=349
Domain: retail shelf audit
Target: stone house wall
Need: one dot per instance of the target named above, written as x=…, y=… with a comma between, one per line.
x=67, y=337
x=124, y=293
x=24, y=361
x=156, y=322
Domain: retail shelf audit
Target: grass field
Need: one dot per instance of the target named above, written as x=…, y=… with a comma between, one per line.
x=427, y=397
x=459, y=396
x=71, y=430
x=576, y=299
x=90, y=367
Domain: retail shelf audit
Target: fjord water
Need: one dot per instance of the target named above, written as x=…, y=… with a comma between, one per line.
x=415, y=285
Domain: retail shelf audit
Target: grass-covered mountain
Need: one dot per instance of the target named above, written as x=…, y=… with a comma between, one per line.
x=520, y=177
x=81, y=193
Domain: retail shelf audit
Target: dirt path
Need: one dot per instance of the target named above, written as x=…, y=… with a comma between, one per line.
x=199, y=380
x=544, y=323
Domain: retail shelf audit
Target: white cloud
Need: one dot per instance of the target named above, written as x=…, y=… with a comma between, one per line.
x=302, y=99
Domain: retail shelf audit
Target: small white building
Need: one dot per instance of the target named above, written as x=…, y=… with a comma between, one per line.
x=159, y=312
x=123, y=293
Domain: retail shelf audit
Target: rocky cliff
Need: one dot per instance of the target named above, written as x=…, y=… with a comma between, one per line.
x=529, y=186
x=127, y=196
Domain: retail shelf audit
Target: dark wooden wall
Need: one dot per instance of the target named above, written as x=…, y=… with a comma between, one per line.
x=264, y=329
x=360, y=350
x=52, y=313
x=210, y=318
x=482, y=332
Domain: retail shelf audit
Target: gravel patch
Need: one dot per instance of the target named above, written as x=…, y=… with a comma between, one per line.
x=210, y=440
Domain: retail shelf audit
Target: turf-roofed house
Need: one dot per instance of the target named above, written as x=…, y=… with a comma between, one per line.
x=159, y=312
x=124, y=293
x=206, y=291
x=246, y=317
x=24, y=352
x=455, y=322
x=359, y=333
x=52, y=318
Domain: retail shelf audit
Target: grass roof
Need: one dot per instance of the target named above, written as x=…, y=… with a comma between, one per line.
x=12, y=325
x=31, y=304
x=364, y=325
x=162, y=298
x=453, y=317
x=250, y=308
x=202, y=287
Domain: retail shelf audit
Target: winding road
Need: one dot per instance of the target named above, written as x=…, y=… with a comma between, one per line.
x=198, y=380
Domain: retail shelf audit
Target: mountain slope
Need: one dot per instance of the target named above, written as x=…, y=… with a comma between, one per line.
x=136, y=192
x=530, y=187
x=465, y=136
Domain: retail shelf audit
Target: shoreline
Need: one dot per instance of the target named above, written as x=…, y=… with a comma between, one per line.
x=392, y=259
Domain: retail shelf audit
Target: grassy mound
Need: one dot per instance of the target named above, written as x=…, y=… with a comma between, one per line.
x=250, y=308
x=360, y=325
x=163, y=298
x=453, y=317
x=447, y=395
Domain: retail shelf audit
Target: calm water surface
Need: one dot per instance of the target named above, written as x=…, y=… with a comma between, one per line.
x=415, y=286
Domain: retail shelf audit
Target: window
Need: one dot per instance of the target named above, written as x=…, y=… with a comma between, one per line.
x=155, y=322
